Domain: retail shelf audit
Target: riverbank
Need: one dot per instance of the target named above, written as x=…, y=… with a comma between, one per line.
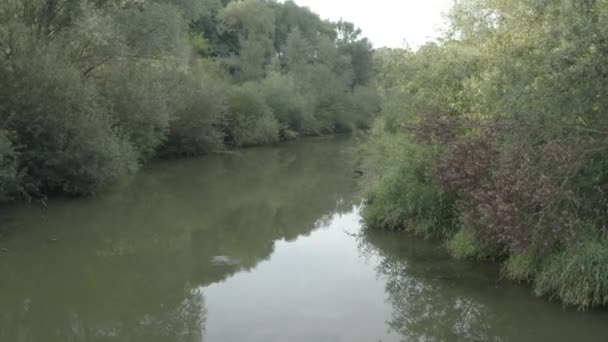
x=544, y=228
x=16, y=194
x=46, y=202
x=177, y=79
x=495, y=140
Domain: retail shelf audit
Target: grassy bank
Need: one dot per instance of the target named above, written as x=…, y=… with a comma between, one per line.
x=495, y=141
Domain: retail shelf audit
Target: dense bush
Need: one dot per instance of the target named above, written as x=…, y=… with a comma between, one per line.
x=250, y=120
x=329, y=95
x=404, y=196
x=365, y=105
x=90, y=90
x=513, y=112
x=292, y=108
x=65, y=134
x=463, y=245
x=199, y=98
x=138, y=100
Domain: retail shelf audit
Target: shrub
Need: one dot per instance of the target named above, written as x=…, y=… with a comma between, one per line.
x=366, y=104
x=66, y=138
x=250, y=121
x=405, y=195
x=463, y=245
x=330, y=97
x=138, y=98
x=293, y=110
x=199, y=101
x=520, y=266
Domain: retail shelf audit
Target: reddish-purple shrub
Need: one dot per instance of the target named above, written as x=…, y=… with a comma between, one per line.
x=514, y=194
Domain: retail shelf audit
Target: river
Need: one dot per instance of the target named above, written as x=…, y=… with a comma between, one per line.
x=264, y=244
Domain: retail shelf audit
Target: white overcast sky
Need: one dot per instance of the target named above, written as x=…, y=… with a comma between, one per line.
x=387, y=22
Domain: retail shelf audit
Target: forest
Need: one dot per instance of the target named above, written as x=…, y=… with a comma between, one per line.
x=92, y=90
x=495, y=140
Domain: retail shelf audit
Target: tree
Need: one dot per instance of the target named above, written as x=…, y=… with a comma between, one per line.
x=92, y=89
x=253, y=22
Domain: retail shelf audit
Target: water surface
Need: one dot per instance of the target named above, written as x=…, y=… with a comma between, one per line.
x=260, y=245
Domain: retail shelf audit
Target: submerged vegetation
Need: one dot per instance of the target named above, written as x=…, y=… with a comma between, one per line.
x=495, y=139
x=91, y=90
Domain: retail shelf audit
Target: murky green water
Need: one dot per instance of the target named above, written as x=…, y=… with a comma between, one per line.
x=262, y=245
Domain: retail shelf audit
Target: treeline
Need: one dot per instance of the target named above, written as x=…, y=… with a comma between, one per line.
x=91, y=90
x=495, y=139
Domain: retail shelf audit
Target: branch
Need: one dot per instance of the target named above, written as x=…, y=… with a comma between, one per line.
x=94, y=66
x=53, y=15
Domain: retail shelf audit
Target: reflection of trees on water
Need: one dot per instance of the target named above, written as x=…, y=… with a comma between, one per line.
x=422, y=310
x=131, y=262
x=32, y=321
x=186, y=322
x=423, y=289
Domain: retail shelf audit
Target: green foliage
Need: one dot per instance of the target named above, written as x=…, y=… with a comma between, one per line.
x=404, y=196
x=293, y=109
x=520, y=266
x=366, y=104
x=66, y=137
x=297, y=50
x=463, y=245
x=290, y=18
x=138, y=98
x=577, y=275
x=199, y=98
x=250, y=120
x=329, y=96
x=361, y=55
x=253, y=22
x=510, y=102
x=92, y=89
